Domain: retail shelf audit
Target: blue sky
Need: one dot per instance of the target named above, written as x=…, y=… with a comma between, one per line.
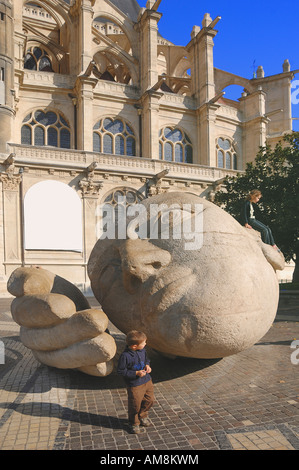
x=249, y=34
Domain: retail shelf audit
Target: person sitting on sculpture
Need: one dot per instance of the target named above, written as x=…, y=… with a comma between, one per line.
x=249, y=220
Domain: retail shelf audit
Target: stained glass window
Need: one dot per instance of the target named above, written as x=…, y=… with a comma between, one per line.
x=37, y=58
x=175, y=145
x=226, y=154
x=114, y=136
x=48, y=128
x=39, y=136
x=26, y=135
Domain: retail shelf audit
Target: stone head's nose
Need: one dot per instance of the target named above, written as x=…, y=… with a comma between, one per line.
x=140, y=260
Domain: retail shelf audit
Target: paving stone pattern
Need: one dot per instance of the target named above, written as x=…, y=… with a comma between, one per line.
x=249, y=401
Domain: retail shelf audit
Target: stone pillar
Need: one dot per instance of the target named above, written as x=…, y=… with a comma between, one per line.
x=82, y=12
x=202, y=63
x=255, y=124
x=6, y=74
x=147, y=28
x=150, y=124
x=84, y=90
x=200, y=49
x=148, y=33
x=13, y=254
x=206, y=121
x=90, y=191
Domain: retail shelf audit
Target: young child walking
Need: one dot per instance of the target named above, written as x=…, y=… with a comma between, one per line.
x=134, y=366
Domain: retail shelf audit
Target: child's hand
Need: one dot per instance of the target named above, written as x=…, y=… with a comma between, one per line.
x=140, y=373
x=148, y=369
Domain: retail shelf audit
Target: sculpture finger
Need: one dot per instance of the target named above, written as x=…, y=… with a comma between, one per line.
x=30, y=281
x=84, y=353
x=99, y=370
x=80, y=326
x=42, y=311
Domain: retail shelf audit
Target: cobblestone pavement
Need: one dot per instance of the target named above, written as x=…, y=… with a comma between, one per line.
x=249, y=401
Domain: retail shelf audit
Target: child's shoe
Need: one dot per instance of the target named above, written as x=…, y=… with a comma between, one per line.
x=145, y=422
x=135, y=428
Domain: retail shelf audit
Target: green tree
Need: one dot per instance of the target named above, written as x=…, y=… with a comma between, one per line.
x=275, y=172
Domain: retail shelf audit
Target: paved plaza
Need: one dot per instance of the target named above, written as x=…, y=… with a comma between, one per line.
x=249, y=401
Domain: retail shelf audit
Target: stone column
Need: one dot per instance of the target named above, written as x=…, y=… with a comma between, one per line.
x=206, y=121
x=148, y=33
x=13, y=254
x=150, y=124
x=82, y=12
x=255, y=124
x=147, y=28
x=90, y=193
x=200, y=49
x=84, y=91
x=6, y=74
x=202, y=64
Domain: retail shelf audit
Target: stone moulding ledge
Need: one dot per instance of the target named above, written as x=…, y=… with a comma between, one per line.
x=79, y=160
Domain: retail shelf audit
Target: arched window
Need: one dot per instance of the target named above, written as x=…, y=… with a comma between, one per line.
x=118, y=200
x=37, y=58
x=114, y=136
x=53, y=217
x=175, y=146
x=124, y=196
x=46, y=128
x=226, y=154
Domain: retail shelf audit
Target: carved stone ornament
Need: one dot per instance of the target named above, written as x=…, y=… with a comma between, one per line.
x=90, y=187
x=10, y=181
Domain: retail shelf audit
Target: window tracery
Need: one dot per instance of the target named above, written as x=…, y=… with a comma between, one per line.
x=37, y=58
x=114, y=136
x=46, y=128
x=175, y=146
x=226, y=154
x=124, y=196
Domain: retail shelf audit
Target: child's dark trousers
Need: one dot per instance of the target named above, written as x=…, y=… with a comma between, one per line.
x=140, y=400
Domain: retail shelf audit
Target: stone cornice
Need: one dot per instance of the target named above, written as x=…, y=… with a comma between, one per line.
x=67, y=160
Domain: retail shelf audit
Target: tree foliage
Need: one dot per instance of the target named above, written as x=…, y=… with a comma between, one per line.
x=275, y=172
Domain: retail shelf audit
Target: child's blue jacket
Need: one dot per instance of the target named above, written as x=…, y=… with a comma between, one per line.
x=129, y=362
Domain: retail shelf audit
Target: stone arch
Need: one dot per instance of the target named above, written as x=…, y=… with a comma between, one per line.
x=52, y=217
x=56, y=10
x=115, y=58
x=126, y=26
x=59, y=48
x=224, y=79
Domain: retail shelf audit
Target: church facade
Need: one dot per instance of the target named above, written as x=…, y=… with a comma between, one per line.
x=95, y=105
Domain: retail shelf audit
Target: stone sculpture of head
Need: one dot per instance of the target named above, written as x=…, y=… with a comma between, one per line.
x=205, y=296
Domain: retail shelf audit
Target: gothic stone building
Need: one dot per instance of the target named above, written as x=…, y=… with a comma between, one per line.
x=96, y=104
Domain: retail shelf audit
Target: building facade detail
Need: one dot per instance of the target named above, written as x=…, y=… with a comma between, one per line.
x=92, y=96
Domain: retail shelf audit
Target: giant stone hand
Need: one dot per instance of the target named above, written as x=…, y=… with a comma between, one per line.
x=57, y=323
